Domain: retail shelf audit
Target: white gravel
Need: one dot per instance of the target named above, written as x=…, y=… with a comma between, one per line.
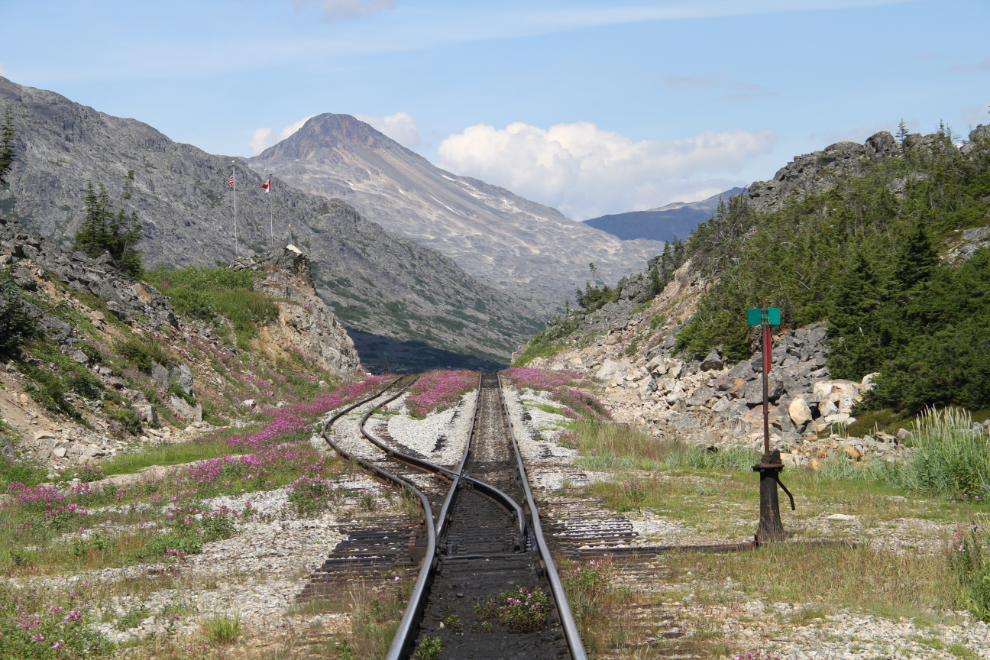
x=422, y=434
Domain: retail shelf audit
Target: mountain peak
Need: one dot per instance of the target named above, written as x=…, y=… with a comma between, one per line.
x=326, y=133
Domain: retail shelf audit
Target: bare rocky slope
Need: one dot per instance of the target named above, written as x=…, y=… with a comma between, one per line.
x=518, y=246
x=375, y=282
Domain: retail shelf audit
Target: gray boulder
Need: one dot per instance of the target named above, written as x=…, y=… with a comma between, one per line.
x=700, y=396
x=161, y=377
x=187, y=412
x=713, y=362
x=22, y=278
x=182, y=375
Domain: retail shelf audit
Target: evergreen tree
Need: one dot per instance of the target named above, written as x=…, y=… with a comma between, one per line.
x=656, y=284
x=7, y=154
x=917, y=260
x=902, y=132
x=856, y=330
x=104, y=230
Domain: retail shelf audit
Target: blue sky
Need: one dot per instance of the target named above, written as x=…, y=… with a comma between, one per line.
x=591, y=107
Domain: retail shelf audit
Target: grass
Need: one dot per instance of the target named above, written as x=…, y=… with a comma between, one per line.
x=600, y=602
x=824, y=578
x=171, y=454
x=537, y=347
x=210, y=293
x=604, y=445
x=222, y=628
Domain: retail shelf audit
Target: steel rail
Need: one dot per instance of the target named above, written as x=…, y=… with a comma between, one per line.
x=429, y=560
x=452, y=493
x=427, y=466
x=401, y=643
x=563, y=608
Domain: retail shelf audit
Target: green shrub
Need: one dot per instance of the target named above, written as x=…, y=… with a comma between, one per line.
x=161, y=544
x=217, y=525
x=47, y=389
x=16, y=323
x=61, y=619
x=209, y=293
x=519, y=611
x=429, y=649
x=130, y=420
x=142, y=352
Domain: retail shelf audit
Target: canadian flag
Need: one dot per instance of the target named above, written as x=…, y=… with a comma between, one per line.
x=267, y=185
x=230, y=181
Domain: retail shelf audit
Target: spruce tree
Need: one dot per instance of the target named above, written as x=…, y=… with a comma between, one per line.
x=90, y=237
x=856, y=329
x=917, y=260
x=7, y=154
x=104, y=230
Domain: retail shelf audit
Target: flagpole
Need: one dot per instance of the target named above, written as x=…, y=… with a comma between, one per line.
x=271, y=209
x=232, y=172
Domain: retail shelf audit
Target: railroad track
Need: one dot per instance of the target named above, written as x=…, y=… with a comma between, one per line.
x=485, y=538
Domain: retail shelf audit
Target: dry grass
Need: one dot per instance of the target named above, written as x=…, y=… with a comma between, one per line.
x=827, y=578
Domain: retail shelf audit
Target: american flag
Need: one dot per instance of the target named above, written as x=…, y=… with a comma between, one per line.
x=230, y=181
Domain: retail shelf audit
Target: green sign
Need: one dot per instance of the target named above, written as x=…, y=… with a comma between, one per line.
x=761, y=316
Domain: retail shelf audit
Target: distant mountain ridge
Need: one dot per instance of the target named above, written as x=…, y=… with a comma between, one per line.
x=523, y=248
x=664, y=223
x=375, y=282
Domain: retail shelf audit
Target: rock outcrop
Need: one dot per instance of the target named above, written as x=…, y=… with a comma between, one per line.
x=819, y=171
x=305, y=324
x=126, y=298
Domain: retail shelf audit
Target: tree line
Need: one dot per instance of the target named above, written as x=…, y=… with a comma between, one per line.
x=866, y=260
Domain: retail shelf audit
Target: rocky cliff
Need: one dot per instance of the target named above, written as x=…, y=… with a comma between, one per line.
x=304, y=324
x=372, y=280
x=513, y=244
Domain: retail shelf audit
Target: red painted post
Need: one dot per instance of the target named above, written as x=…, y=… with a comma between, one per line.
x=766, y=373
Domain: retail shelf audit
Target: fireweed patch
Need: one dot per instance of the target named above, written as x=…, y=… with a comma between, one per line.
x=36, y=625
x=563, y=387
x=439, y=390
x=272, y=456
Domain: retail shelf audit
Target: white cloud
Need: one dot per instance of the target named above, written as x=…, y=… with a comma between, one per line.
x=3, y=69
x=265, y=137
x=340, y=9
x=585, y=171
x=401, y=127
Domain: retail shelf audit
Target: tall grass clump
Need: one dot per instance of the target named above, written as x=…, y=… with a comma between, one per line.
x=949, y=459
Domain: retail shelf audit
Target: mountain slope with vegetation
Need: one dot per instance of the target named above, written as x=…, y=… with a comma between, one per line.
x=884, y=243
x=870, y=254
x=375, y=282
